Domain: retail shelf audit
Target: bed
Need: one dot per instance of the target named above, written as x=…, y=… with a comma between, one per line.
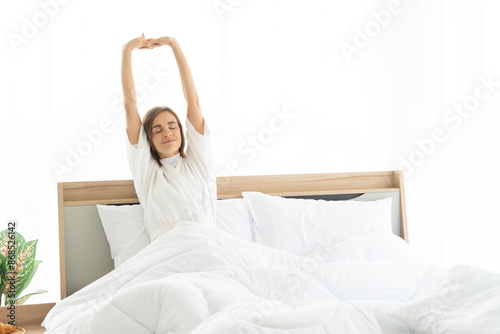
x=301, y=253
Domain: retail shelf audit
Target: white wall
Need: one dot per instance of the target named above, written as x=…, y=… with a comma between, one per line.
x=251, y=60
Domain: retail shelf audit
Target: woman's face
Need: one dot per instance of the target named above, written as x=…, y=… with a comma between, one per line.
x=166, y=135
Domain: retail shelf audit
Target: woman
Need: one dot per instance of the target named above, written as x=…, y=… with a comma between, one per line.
x=173, y=187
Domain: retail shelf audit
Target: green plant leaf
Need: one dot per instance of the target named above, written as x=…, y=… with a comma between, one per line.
x=2, y=264
x=19, y=266
x=24, y=298
x=4, y=241
x=24, y=284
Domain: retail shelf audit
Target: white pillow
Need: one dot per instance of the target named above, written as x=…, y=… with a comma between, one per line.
x=234, y=218
x=125, y=231
x=301, y=225
x=467, y=301
x=124, y=226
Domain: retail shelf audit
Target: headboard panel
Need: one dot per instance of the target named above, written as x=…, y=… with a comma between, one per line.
x=77, y=211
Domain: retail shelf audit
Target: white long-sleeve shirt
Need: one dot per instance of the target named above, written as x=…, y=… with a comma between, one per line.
x=170, y=195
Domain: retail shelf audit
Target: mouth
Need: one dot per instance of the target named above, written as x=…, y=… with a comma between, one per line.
x=168, y=141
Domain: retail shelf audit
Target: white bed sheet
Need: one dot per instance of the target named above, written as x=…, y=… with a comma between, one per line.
x=197, y=279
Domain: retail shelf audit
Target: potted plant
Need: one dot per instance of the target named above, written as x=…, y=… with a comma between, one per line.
x=17, y=267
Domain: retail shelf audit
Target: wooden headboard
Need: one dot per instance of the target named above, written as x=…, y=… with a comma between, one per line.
x=71, y=194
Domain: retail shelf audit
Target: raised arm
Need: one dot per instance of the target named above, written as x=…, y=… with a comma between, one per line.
x=194, y=113
x=129, y=96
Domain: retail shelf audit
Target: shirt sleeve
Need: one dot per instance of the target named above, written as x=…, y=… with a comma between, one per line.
x=140, y=161
x=199, y=148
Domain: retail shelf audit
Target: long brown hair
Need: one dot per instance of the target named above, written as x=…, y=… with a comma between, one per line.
x=148, y=128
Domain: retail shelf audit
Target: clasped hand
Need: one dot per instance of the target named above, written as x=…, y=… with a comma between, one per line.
x=150, y=43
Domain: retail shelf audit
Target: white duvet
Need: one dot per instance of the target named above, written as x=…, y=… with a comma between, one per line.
x=197, y=279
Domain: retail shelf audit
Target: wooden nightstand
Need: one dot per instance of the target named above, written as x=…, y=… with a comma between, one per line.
x=29, y=317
